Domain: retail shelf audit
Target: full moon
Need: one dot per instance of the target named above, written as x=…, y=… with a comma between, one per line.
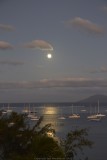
x=49, y=55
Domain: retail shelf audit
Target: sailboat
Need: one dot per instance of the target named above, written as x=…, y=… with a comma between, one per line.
x=97, y=116
x=34, y=117
x=73, y=115
x=92, y=116
x=4, y=110
x=29, y=112
x=25, y=109
x=61, y=117
x=100, y=115
x=8, y=110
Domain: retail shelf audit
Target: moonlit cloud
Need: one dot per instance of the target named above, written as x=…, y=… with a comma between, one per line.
x=100, y=70
x=93, y=71
x=5, y=27
x=11, y=63
x=104, y=8
x=5, y=45
x=68, y=83
x=103, y=69
x=39, y=44
x=86, y=25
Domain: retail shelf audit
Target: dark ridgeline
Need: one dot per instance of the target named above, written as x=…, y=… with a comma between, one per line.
x=92, y=100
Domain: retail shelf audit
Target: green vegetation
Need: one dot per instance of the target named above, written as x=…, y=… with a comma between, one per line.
x=20, y=141
x=76, y=140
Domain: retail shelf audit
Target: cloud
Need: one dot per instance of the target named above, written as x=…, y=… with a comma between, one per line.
x=5, y=45
x=100, y=70
x=85, y=25
x=93, y=71
x=61, y=83
x=104, y=8
x=12, y=63
x=5, y=27
x=39, y=44
x=103, y=69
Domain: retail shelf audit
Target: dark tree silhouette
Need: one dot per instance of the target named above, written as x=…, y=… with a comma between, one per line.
x=20, y=141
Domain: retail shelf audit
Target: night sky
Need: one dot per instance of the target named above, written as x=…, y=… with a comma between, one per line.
x=74, y=32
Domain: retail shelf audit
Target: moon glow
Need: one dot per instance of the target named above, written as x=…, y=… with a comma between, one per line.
x=49, y=55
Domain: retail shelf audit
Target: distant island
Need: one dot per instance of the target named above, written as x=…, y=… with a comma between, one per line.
x=94, y=100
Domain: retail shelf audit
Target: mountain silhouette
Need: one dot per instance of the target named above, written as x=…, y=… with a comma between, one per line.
x=95, y=99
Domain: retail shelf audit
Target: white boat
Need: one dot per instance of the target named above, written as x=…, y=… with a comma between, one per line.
x=92, y=116
x=74, y=115
x=61, y=117
x=83, y=110
x=8, y=110
x=97, y=116
x=4, y=110
x=96, y=119
x=98, y=113
x=29, y=113
x=34, y=117
x=25, y=110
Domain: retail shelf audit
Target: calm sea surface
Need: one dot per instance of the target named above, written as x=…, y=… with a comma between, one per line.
x=52, y=113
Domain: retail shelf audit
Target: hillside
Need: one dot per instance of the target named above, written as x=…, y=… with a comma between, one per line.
x=94, y=99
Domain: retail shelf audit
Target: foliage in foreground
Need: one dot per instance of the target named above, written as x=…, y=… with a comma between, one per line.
x=20, y=141
x=76, y=141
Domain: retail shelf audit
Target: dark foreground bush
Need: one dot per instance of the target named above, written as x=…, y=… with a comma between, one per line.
x=20, y=141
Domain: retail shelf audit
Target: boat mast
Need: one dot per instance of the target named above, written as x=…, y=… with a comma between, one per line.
x=98, y=106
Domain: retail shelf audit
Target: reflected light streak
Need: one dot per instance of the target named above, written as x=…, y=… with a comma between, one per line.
x=51, y=114
x=50, y=110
